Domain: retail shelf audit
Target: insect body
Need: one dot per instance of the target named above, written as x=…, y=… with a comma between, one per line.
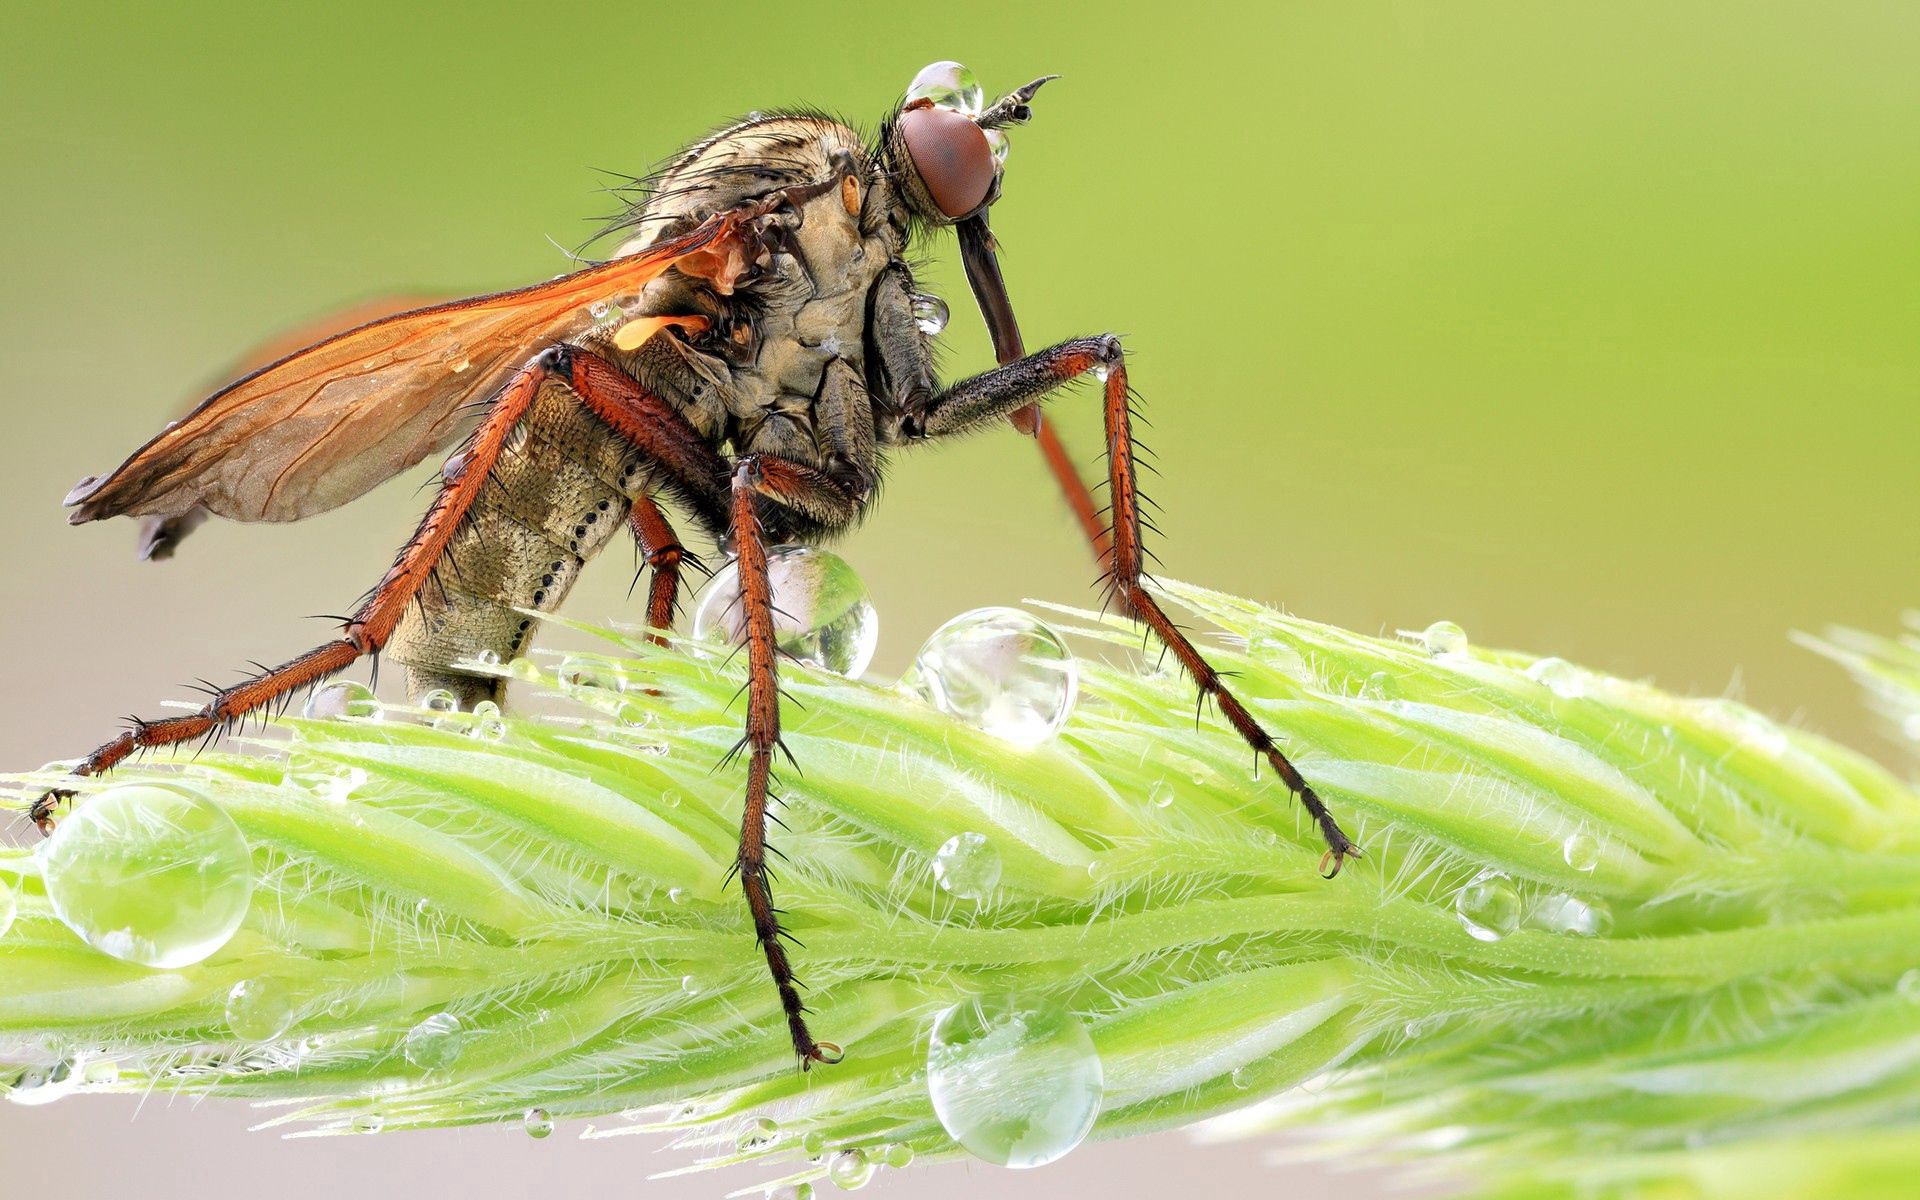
x=748, y=358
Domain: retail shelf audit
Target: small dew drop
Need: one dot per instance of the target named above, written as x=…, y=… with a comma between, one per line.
x=791, y=1191
x=895, y=1155
x=822, y=614
x=1908, y=986
x=9, y=907
x=1103, y=371
x=967, y=867
x=1561, y=913
x=488, y=724
x=339, y=787
x=998, y=145
x=1444, y=639
x=1581, y=850
x=537, y=1123
x=1488, y=906
x=151, y=875
x=486, y=658
x=1378, y=686
x=759, y=1134
x=1160, y=795
x=676, y=895
x=1015, y=1080
x=441, y=706
x=340, y=700
x=813, y=1143
x=523, y=668
x=850, y=1170
x=258, y=1010
x=689, y=985
x=1241, y=1078
x=369, y=1123
x=1000, y=670
x=1560, y=677
x=929, y=313
x=435, y=1043
x=40, y=1085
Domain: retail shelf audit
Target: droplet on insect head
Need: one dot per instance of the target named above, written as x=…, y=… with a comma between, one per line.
x=929, y=312
x=1000, y=670
x=1561, y=913
x=1488, y=906
x=851, y=1170
x=949, y=85
x=488, y=725
x=760, y=1133
x=1558, y=676
x=997, y=145
x=537, y=1123
x=967, y=866
x=39, y=1085
x=1015, y=1080
x=259, y=1010
x=1581, y=850
x=150, y=875
x=435, y=1043
x=9, y=907
x=337, y=701
x=1444, y=639
x=822, y=615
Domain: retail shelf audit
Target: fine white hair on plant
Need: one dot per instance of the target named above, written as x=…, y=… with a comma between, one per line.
x=1602, y=937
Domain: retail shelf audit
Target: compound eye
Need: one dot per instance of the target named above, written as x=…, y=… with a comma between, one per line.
x=952, y=155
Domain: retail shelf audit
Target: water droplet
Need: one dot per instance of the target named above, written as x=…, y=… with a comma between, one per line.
x=1160, y=795
x=850, y=1170
x=486, y=658
x=259, y=1010
x=967, y=866
x=39, y=1085
x=895, y=1155
x=690, y=985
x=1378, y=686
x=441, y=705
x=435, y=1043
x=339, y=1007
x=105, y=1072
x=537, y=1123
x=998, y=145
x=1908, y=986
x=1581, y=850
x=455, y=468
x=1561, y=913
x=523, y=668
x=1103, y=371
x=676, y=895
x=9, y=907
x=822, y=615
x=1489, y=906
x=930, y=313
x=150, y=875
x=488, y=725
x=791, y=1191
x=369, y=1123
x=949, y=85
x=1241, y=1078
x=759, y=1134
x=338, y=700
x=1015, y=1080
x=1444, y=639
x=1000, y=670
x=813, y=1143
x=339, y=787
x=1560, y=677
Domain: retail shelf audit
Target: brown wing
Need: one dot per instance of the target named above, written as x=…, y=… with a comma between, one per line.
x=329, y=423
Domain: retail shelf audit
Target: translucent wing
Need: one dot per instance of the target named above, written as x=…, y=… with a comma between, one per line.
x=329, y=423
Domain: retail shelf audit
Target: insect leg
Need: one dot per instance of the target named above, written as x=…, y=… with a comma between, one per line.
x=996, y=393
x=762, y=737
x=365, y=633
x=665, y=556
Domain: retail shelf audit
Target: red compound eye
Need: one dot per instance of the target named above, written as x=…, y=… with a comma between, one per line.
x=952, y=156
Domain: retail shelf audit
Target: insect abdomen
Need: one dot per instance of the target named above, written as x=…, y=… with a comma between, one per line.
x=558, y=494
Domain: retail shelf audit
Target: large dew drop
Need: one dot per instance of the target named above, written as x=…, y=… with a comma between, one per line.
x=1001, y=670
x=150, y=875
x=1444, y=639
x=967, y=866
x=434, y=1043
x=949, y=85
x=1489, y=906
x=1016, y=1080
x=822, y=615
x=258, y=1010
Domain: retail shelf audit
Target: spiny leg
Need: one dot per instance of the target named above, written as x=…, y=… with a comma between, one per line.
x=992, y=395
x=762, y=737
x=365, y=633
x=665, y=557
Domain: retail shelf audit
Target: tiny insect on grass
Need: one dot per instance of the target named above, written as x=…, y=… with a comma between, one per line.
x=750, y=356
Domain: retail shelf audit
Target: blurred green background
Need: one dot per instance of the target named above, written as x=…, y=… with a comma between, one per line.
x=1590, y=327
